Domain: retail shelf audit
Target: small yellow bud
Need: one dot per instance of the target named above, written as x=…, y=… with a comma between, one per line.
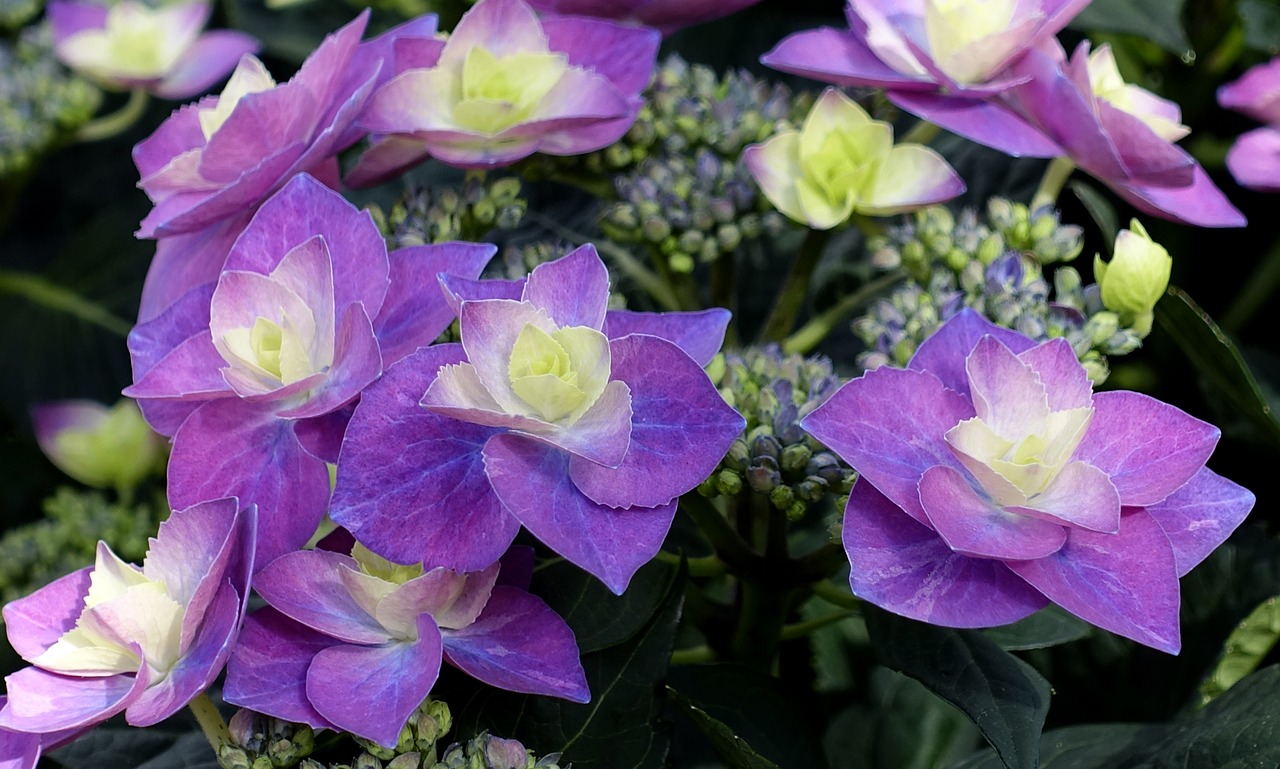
x=1137, y=275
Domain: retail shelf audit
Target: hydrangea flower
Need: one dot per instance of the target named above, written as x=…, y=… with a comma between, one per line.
x=843, y=161
x=993, y=481
x=98, y=446
x=665, y=15
x=1254, y=159
x=256, y=368
x=131, y=45
x=115, y=637
x=943, y=60
x=1135, y=278
x=1120, y=133
x=210, y=164
x=583, y=425
x=22, y=750
x=506, y=85
x=354, y=643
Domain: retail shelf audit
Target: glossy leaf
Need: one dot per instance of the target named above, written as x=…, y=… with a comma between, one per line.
x=1244, y=649
x=1156, y=20
x=1093, y=746
x=1048, y=627
x=732, y=747
x=599, y=618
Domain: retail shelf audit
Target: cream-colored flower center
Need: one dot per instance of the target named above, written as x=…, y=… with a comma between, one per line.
x=498, y=92
x=1107, y=84
x=279, y=350
x=954, y=26
x=559, y=375
x=250, y=77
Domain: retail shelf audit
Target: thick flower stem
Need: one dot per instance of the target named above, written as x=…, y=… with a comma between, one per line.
x=730, y=547
x=782, y=318
x=812, y=333
x=835, y=595
x=39, y=291
x=1051, y=184
x=117, y=122
x=705, y=566
x=921, y=133
x=211, y=723
x=805, y=629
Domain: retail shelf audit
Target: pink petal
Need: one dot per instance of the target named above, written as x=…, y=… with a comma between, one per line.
x=1081, y=496
x=944, y=353
x=1254, y=160
x=573, y=290
x=1199, y=516
x=209, y=60
x=267, y=671
x=415, y=311
x=971, y=525
x=699, y=334
x=1065, y=381
x=36, y=621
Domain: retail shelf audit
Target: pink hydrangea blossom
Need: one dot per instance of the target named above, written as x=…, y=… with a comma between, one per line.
x=1254, y=159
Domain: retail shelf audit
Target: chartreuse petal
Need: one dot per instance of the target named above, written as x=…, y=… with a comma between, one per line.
x=498, y=92
x=542, y=375
x=250, y=77
x=951, y=26
x=376, y=566
x=590, y=361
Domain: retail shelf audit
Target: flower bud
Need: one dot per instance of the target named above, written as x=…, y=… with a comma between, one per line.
x=97, y=446
x=1137, y=275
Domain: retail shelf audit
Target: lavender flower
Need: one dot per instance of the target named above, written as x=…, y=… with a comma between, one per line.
x=1254, y=159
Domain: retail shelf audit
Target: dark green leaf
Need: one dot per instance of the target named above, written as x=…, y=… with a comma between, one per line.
x=1048, y=627
x=735, y=750
x=1156, y=20
x=1245, y=648
x=745, y=702
x=599, y=618
x=1004, y=696
x=117, y=747
x=620, y=728
x=1100, y=210
x=1261, y=19
x=1216, y=358
x=1239, y=730
x=1094, y=746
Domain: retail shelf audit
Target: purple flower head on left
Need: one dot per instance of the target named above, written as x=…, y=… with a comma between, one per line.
x=993, y=481
x=1254, y=160
x=664, y=15
x=131, y=45
x=256, y=369
x=506, y=85
x=580, y=424
x=354, y=643
x=115, y=637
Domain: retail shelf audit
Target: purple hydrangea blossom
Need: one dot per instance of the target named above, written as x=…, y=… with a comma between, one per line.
x=993, y=481
x=581, y=424
x=354, y=643
x=252, y=375
x=1254, y=159
x=943, y=61
x=22, y=750
x=130, y=45
x=210, y=164
x=505, y=85
x=665, y=15
x=115, y=637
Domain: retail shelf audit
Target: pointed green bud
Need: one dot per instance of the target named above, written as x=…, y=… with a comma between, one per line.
x=406, y=761
x=1137, y=275
x=991, y=247
x=728, y=482
x=782, y=497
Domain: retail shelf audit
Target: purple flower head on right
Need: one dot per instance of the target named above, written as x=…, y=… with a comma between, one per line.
x=993, y=481
x=665, y=15
x=1254, y=159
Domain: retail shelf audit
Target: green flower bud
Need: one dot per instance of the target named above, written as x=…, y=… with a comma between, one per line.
x=406, y=761
x=782, y=497
x=991, y=247
x=728, y=482
x=366, y=761
x=681, y=263
x=1137, y=275
x=956, y=259
x=1101, y=326
x=794, y=458
x=97, y=446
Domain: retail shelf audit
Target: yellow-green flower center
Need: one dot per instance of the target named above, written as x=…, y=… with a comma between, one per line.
x=953, y=26
x=542, y=372
x=498, y=92
x=250, y=77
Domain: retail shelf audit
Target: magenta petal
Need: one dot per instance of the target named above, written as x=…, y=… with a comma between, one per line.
x=307, y=586
x=458, y=290
x=386, y=158
x=1065, y=381
x=888, y=425
x=699, y=334
x=19, y=750
x=415, y=311
x=983, y=121
x=69, y=18
x=267, y=671
x=199, y=666
x=944, y=353
x=533, y=482
x=1147, y=447
x=210, y=59
x=836, y=56
x=36, y=621
x=40, y=701
x=1126, y=583
x=1201, y=203
x=303, y=209
x=321, y=436
x=229, y=448
x=680, y=428
x=902, y=566
x=623, y=54
x=1254, y=160
x=151, y=340
x=602, y=437
x=191, y=371
x=411, y=484
x=519, y=644
x=573, y=290
x=183, y=262
x=357, y=363
x=1199, y=516
x=974, y=526
x=192, y=552
x=371, y=691
x=1256, y=93
x=1080, y=496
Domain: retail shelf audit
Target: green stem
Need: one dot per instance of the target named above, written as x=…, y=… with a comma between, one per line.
x=835, y=595
x=645, y=278
x=704, y=566
x=1255, y=292
x=813, y=332
x=782, y=318
x=693, y=655
x=40, y=291
x=211, y=723
x=117, y=122
x=805, y=629
x=1055, y=177
x=920, y=133
x=728, y=544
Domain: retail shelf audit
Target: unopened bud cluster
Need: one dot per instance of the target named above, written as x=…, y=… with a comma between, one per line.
x=40, y=101
x=689, y=208
x=263, y=742
x=953, y=262
x=16, y=13
x=774, y=456
x=479, y=206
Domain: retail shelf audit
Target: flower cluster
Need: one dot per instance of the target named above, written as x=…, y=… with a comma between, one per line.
x=1254, y=159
